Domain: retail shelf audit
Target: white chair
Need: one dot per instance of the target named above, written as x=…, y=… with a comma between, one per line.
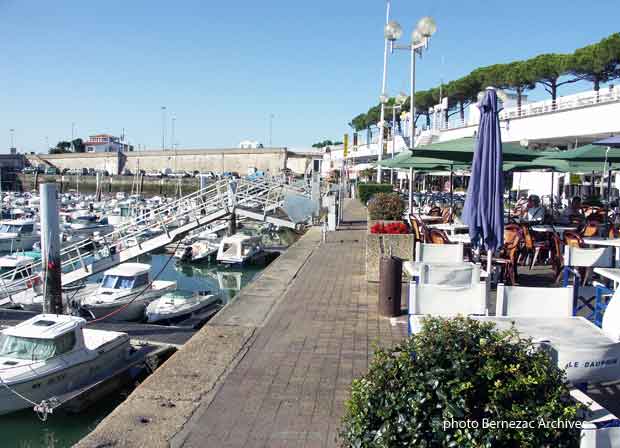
x=524, y=301
x=579, y=257
x=465, y=297
x=439, y=253
x=456, y=275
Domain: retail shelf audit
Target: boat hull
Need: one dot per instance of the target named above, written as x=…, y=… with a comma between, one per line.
x=62, y=381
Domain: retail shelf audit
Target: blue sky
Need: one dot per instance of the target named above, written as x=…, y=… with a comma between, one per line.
x=223, y=67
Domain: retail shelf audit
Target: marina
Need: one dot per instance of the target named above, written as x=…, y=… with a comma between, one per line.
x=219, y=229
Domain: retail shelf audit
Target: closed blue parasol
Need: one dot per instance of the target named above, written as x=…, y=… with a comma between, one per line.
x=484, y=206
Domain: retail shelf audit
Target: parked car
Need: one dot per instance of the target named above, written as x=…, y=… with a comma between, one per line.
x=51, y=170
x=153, y=174
x=179, y=174
x=127, y=172
x=29, y=170
x=166, y=172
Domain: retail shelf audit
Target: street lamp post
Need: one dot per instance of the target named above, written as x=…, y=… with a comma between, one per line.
x=391, y=32
x=420, y=38
x=163, y=128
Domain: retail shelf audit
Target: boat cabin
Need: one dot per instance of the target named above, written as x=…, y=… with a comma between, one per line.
x=40, y=338
x=17, y=226
x=239, y=248
x=126, y=276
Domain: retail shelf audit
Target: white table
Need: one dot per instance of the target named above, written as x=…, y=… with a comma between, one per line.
x=462, y=238
x=450, y=229
x=607, y=242
x=610, y=273
x=550, y=228
x=429, y=218
x=412, y=268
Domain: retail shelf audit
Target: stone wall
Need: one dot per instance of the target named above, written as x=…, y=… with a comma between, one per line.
x=271, y=160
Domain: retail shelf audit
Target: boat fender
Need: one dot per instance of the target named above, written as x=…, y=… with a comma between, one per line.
x=611, y=318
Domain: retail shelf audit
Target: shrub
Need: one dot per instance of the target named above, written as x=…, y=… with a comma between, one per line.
x=393, y=228
x=366, y=191
x=387, y=206
x=459, y=370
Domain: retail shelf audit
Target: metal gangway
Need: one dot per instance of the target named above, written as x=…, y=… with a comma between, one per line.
x=257, y=199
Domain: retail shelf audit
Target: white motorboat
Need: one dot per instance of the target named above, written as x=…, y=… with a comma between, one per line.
x=50, y=355
x=13, y=268
x=239, y=249
x=31, y=299
x=201, y=250
x=178, y=305
x=126, y=290
x=18, y=234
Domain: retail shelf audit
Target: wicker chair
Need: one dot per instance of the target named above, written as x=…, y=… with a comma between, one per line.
x=590, y=228
x=573, y=239
x=419, y=229
x=532, y=247
x=446, y=215
x=434, y=211
x=437, y=236
x=509, y=254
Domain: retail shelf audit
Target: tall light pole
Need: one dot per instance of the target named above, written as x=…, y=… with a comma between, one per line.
x=174, y=148
x=163, y=128
x=391, y=32
x=420, y=38
x=271, y=117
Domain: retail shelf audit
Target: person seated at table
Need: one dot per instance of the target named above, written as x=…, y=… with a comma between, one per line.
x=573, y=212
x=535, y=212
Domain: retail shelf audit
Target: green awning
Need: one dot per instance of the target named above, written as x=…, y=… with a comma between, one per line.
x=588, y=153
x=558, y=165
x=462, y=151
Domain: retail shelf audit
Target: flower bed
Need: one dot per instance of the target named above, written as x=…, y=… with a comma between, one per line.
x=385, y=238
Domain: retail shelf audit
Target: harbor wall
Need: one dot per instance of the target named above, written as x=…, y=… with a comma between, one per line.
x=269, y=160
x=158, y=411
x=109, y=184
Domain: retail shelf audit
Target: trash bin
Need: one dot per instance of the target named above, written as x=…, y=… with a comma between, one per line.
x=390, y=285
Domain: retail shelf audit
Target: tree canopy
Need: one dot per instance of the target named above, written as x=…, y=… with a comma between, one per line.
x=325, y=143
x=597, y=63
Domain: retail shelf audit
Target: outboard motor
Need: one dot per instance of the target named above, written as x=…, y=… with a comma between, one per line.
x=187, y=255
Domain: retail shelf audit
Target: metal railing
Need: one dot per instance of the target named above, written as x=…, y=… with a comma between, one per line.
x=569, y=102
x=174, y=220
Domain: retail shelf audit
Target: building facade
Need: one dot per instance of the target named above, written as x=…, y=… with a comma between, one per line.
x=106, y=143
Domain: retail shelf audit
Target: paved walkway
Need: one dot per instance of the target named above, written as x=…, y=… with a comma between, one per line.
x=290, y=386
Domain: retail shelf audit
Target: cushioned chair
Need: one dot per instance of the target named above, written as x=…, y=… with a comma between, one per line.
x=446, y=300
x=439, y=253
x=520, y=301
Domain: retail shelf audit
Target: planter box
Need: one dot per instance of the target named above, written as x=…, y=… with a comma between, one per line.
x=378, y=244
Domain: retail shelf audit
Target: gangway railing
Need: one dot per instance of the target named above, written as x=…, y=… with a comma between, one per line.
x=161, y=226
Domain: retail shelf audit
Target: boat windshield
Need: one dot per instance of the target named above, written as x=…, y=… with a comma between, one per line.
x=123, y=282
x=8, y=228
x=34, y=349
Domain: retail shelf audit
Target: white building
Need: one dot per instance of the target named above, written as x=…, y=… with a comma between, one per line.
x=250, y=144
x=106, y=143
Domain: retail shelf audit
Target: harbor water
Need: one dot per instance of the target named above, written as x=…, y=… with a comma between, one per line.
x=25, y=430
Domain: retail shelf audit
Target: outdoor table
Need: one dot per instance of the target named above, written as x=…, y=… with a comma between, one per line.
x=602, y=241
x=450, y=229
x=412, y=268
x=610, y=273
x=462, y=238
x=559, y=229
x=429, y=218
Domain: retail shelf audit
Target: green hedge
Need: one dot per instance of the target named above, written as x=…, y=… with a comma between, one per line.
x=437, y=388
x=365, y=191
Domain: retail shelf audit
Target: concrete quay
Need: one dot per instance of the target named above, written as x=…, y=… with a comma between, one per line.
x=274, y=367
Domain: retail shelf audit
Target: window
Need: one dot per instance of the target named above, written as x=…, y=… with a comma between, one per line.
x=64, y=343
x=27, y=348
x=109, y=281
x=125, y=282
x=141, y=280
x=27, y=228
